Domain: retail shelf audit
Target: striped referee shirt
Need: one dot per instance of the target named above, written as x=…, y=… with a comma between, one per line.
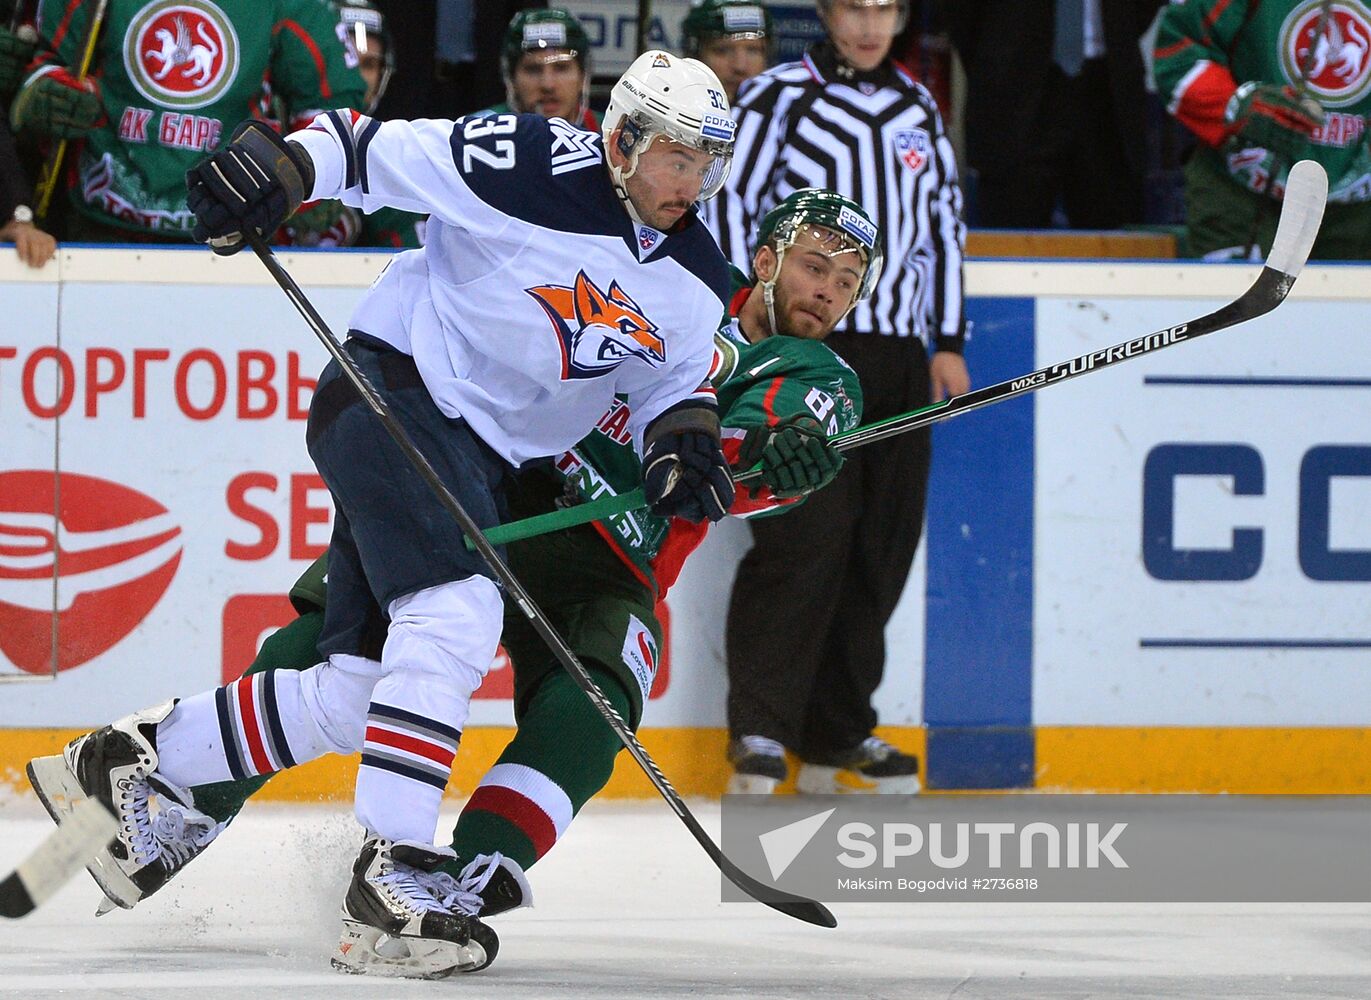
x=877, y=138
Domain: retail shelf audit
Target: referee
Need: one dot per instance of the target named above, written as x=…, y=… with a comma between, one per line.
x=806, y=624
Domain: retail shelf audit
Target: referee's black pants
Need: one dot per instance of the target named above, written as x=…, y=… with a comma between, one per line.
x=806, y=623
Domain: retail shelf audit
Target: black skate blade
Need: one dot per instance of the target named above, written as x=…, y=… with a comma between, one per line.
x=65, y=851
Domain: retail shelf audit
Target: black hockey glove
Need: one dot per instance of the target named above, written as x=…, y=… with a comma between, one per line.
x=253, y=183
x=795, y=455
x=685, y=473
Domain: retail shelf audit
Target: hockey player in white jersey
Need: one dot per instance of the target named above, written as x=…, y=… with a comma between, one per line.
x=561, y=268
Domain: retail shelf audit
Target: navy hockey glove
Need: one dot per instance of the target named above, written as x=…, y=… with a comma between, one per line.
x=253, y=183
x=795, y=455
x=685, y=473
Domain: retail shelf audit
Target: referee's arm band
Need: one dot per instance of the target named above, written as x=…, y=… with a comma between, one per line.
x=948, y=342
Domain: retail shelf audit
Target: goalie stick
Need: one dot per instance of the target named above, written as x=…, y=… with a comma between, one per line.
x=1305, y=195
x=63, y=852
x=790, y=904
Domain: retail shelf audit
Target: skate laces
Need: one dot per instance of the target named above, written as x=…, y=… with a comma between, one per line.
x=411, y=886
x=464, y=893
x=764, y=746
x=182, y=833
x=137, y=823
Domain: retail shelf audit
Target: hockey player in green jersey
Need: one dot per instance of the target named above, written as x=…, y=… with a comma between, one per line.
x=1262, y=85
x=365, y=27
x=732, y=37
x=546, y=66
x=169, y=82
x=781, y=393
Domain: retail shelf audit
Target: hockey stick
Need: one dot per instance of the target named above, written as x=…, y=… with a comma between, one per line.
x=792, y=905
x=47, y=183
x=63, y=852
x=1305, y=195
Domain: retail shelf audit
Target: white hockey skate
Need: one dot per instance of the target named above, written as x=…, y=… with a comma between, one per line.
x=396, y=922
x=116, y=766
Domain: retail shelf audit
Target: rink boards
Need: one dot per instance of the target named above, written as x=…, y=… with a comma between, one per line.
x=1152, y=577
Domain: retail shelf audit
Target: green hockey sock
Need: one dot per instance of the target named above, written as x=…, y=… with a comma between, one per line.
x=561, y=755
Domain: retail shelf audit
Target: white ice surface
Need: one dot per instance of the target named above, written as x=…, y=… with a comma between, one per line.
x=628, y=906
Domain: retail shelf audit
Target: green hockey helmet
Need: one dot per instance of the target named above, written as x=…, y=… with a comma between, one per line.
x=366, y=27
x=847, y=229
x=843, y=216
x=709, y=19
x=538, y=30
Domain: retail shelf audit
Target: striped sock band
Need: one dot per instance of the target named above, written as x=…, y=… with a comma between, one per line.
x=250, y=726
x=528, y=799
x=409, y=745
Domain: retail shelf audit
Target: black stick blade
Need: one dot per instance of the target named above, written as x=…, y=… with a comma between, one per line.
x=811, y=911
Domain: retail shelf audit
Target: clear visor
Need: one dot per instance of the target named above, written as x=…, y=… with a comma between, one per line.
x=843, y=249
x=706, y=159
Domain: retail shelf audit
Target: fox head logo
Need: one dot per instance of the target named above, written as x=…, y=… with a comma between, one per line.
x=598, y=331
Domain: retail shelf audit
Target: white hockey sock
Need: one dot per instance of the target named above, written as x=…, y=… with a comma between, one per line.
x=266, y=722
x=439, y=646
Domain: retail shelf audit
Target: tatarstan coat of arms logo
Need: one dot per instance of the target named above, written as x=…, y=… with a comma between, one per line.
x=181, y=54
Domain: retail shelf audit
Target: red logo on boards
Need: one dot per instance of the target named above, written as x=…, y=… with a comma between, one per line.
x=114, y=554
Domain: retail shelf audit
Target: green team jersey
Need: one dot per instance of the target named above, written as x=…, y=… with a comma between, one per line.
x=1206, y=48
x=757, y=384
x=176, y=77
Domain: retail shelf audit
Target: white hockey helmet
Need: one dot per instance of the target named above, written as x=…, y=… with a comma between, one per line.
x=665, y=95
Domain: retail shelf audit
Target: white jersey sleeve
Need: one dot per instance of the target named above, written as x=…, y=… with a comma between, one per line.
x=416, y=166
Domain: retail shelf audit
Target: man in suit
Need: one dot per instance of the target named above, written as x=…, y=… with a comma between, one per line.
x=1054, y=108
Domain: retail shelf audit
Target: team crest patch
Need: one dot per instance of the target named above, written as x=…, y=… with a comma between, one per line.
x=660, y=61
x=912, y=147
x=181, y=54
x=640, y=654
x=598, y=331
x=1328, y=46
